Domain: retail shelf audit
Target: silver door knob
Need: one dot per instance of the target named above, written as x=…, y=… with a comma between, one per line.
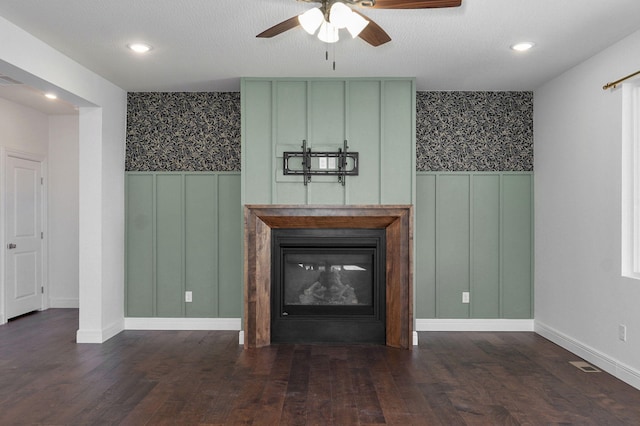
x=11, y=246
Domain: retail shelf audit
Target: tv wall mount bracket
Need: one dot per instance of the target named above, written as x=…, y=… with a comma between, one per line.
x=341, y=163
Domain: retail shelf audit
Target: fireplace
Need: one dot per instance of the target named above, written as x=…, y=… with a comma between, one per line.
x=328, y=286
x=392, y=221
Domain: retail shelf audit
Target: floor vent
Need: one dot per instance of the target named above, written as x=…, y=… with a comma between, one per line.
x=585, y=366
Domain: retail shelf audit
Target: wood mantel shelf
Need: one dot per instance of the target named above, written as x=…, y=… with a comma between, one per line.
x=397, y=220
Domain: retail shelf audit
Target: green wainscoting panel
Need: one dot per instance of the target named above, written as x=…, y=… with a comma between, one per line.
x=291, y=112
x=290, y=192
x=169, y=246
x=327, y=112
x=140, y=266
x=397, y=171
x=184, y=233
x=257, y=162
x=485, y=246
x=231, y=260
x=375, y=115
x=473, y=232
x=425, y=255
x=201, y=250
x=452, y=245
x=517, y=240
x=363, y=130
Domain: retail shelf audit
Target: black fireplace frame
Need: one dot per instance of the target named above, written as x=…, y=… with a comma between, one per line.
x=328, y=323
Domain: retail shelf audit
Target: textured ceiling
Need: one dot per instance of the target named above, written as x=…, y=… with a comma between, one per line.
x=207, y=45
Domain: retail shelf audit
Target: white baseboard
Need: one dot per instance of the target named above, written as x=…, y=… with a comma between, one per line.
x=605, y=362
x=182, y=323
x=415, y=338
x=89, y=336
x=439, y=324
x=64, y=303
x=99, y=336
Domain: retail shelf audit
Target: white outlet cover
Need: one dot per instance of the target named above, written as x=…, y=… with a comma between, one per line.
x=622, y=332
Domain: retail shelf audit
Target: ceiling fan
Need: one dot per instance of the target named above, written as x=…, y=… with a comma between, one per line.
x=333, y=15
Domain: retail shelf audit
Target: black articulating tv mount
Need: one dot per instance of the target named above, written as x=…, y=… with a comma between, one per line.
x=339, y=163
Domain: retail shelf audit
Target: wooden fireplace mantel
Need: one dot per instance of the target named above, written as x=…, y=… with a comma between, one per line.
x=397, y=220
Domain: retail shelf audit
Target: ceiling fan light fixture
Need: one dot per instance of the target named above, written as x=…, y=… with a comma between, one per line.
x=356, y=24
x=311, y=20
x=340, y=15
x=328, y=33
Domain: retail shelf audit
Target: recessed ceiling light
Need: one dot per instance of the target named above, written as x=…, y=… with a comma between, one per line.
x=139, y=47
x=50, y=96
x=523, y=46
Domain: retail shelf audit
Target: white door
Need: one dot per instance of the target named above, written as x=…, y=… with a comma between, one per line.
x=23, y=219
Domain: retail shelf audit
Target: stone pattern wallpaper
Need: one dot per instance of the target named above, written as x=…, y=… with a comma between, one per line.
x=474, y=131
x=455, y=131
x=183, y=131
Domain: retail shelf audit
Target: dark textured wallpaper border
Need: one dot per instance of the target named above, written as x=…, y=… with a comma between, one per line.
x=455, y=131
x=177, y=131
x=474, y=131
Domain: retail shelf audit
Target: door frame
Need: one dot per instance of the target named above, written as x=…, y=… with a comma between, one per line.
x=4, y=154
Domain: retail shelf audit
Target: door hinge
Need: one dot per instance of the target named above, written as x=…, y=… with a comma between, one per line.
x=42, y=235
x=41, y=181
x=42, y=289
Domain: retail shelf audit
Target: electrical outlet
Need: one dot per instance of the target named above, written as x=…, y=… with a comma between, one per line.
x=188, y=296
x=332, y=162
x=465, y=297
x=622, y=332
x=322, y=162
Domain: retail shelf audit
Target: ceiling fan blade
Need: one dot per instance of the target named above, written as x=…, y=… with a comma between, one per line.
x=373, y=33
x=414, y=4
x=280, y=28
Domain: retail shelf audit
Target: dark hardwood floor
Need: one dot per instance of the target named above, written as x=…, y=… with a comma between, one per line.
x=200, y=377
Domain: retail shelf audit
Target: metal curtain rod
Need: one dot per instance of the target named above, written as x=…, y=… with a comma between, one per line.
x=615, y=83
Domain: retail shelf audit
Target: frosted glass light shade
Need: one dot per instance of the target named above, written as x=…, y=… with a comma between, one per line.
x=328, y=33
x=356, y=24
x=339, y=15
x=311, y=20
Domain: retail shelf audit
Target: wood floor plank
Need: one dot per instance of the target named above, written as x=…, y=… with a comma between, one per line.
x=206, y=378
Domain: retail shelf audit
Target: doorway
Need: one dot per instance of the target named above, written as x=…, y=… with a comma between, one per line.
x=23, y=202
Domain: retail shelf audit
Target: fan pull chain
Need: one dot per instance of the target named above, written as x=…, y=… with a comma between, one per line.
x=326, y=54
x=334, y=56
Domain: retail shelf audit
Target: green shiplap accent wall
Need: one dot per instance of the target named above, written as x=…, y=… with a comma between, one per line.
x=474, y=233
x=517, y=241
x=184, y=233
x=485, y=246
x=169, y=245
x=140, y=241
x=452, y=244
x=375, y=116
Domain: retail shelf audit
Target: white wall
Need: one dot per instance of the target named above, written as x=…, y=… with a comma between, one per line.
x=62, y=235
x=23, y=129
x=580, y=296
x=102, y=122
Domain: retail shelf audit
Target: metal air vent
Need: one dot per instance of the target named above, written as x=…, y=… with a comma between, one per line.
x=584, y=366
